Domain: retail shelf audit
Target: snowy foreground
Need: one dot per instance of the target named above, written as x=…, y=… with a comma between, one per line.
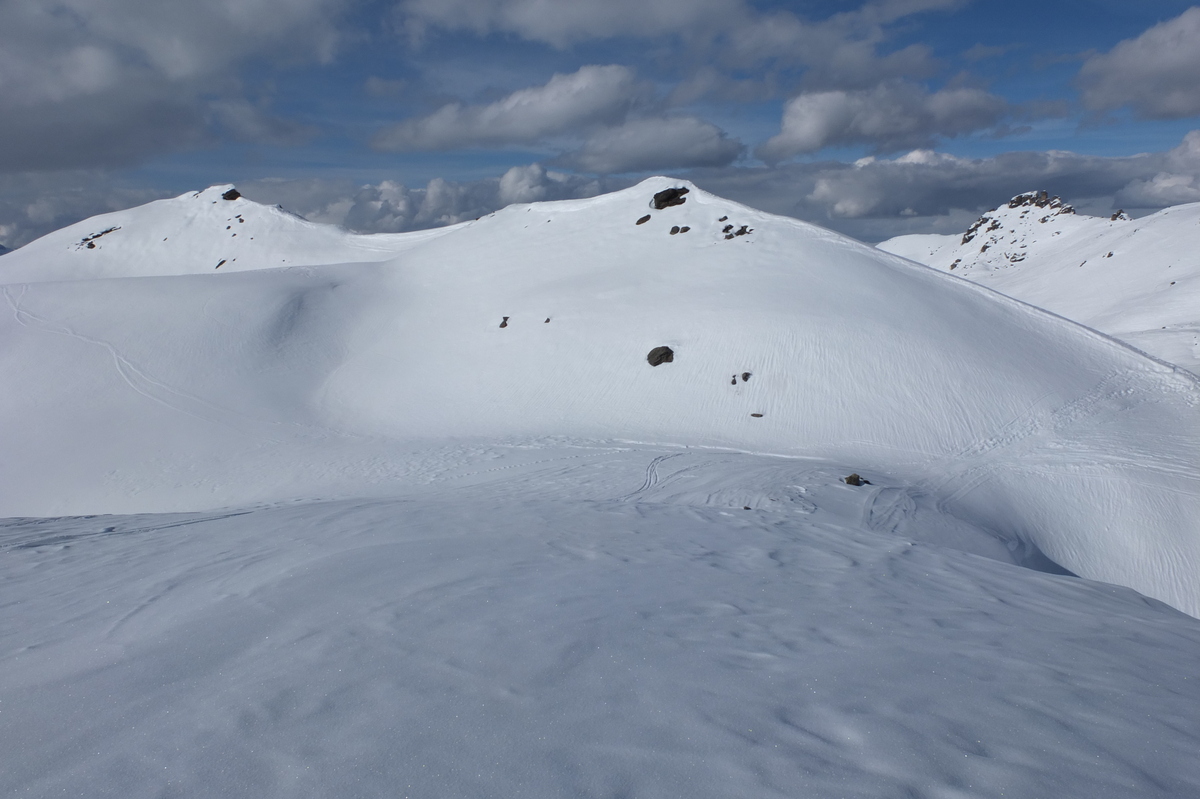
x=557, y=621
x=418, y=518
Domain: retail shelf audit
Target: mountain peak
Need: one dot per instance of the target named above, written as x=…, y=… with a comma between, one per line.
x=1040, y=199
x=1011, y=218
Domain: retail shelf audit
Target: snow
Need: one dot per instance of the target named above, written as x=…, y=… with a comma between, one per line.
x=546, y=634
x=194, y=233
x=330, y=529
x=1136, y=280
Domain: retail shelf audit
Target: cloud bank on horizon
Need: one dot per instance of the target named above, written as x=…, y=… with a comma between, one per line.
x=875, y=118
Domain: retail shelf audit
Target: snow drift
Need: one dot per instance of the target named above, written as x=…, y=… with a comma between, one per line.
x=194, y=391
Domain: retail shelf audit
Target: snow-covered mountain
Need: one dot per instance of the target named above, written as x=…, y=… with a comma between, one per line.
x=1137, y=280
x=195, y=233
x=554, y=503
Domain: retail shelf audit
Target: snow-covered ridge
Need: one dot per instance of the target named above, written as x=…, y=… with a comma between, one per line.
x=1136, y=280
x=214, y=230
x=189, y=392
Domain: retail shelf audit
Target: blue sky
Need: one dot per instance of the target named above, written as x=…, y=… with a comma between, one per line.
x=873, y=118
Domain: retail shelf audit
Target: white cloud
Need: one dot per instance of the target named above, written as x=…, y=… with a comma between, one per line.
x=104, y=82
x=392, y=207
x=839, y=51
x=890, y=116
x=1178, y=183
x=533, y=183
x=593, y=95
x=563, y=23
x=1157, y=73
x=655, y=144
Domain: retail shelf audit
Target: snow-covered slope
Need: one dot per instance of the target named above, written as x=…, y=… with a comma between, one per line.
x=431, y=524
x=558, y=632
x=1137, y=280
x=194, y=233
x=191, y=392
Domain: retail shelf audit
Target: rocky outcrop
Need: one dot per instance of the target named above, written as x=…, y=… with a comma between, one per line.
x=669, y=197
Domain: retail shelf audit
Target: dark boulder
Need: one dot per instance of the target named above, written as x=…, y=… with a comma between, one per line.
x=669, y=197
x=504, y=322
x=643, y=220
x=684, y=229
x=745, y=376
x=232, y=194
x=660, y=355
x=855, y=480
x=756, y=415
x=674, y=229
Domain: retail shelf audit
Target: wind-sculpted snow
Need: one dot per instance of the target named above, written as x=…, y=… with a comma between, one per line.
x=561, y=621
x=192, y=392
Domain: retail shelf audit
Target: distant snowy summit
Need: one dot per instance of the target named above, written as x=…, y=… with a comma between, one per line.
x=214, y=230
x=1136, y=280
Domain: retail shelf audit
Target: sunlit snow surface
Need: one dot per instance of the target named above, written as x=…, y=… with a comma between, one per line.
x=554, y=621
x=1135, y=279
x=366, y=541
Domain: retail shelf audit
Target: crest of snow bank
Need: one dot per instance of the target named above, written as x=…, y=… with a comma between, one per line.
x=195, y=391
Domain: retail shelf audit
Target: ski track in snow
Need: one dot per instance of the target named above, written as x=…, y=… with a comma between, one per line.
x=137, y=380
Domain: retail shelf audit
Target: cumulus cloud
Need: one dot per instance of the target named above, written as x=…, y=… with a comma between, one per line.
x=928, y=183
x=1155, y=73
x=593, y=95
x=562, y=24
x=1178, y=182
x=890, y=117
x=655, y=144
x=391, y=207
x=103, y=82
x=841, y=50
x=34, y=204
